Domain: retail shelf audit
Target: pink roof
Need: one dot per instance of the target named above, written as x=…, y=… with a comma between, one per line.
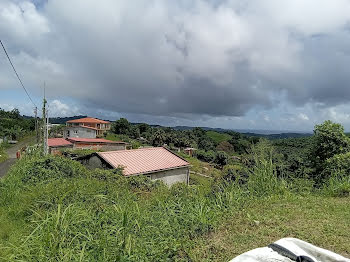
x=143, y=161
x=88, y=120
x=53, y=142
x=93, y=140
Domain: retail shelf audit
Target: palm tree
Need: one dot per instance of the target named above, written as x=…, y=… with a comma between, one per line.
x=13, y=133
x=158, y=138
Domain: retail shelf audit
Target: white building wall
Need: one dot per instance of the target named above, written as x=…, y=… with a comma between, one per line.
x=170, y=177
x=79, y=132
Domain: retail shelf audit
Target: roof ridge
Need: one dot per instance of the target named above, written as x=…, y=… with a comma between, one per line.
x=133, y=150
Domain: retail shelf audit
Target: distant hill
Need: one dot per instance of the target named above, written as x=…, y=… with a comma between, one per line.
x=280, y=136
x=269, y=134
x=63, y=120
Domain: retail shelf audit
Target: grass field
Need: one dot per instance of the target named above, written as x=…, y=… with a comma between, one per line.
x=54, y=209
x=218, y=137
x=319, y=220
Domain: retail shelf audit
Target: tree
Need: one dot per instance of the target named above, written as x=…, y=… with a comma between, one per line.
x=329, y=140
x=225, y=146
x=158, y=138
x=57, y=131
x=134, y=131
x=14, y=132
x=143, y=128
x=121, y=126
x=221, y=158
x=206, y=143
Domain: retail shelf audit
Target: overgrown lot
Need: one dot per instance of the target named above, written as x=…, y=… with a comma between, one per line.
x=53, y=209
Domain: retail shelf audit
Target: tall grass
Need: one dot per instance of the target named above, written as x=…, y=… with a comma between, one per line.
x=337, y=185
x=263, y=179
x=54, y=209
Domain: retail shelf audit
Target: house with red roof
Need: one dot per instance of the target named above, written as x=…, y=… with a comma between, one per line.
x=57, y=144
x=86, y=127
x=97, y=144
x=158, y=163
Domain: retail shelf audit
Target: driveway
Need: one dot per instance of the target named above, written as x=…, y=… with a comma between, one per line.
x=5, y=166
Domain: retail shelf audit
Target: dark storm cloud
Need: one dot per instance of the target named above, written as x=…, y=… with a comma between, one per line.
x=182, y=58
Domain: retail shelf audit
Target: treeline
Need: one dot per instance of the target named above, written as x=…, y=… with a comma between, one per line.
x=13, y=125
x=324, y=155
x=210, y=148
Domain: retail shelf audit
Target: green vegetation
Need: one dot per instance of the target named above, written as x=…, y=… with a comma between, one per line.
x=244, y=192
x=3, y=155
x=14, y=126
x=218, y=137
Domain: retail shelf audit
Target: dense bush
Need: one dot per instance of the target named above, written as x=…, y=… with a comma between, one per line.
x=207, y=156
x=45, y=169
x=329, y=140
x=338, y=164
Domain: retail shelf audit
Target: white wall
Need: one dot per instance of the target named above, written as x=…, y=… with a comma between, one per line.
x=80, y=132
x=170, y=177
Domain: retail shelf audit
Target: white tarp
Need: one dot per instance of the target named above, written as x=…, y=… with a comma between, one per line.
x=296, y=246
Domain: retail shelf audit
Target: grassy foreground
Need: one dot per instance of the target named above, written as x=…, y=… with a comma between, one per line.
x=53, y=209
x=323, y=221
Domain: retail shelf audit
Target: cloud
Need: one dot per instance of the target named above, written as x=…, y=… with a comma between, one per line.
x=303, y=116
x=181, y=59
x=57, y=108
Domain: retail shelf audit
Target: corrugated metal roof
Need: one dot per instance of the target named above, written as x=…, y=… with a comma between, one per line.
x=145, y=160
x=53, y=142
x=88, y=120
x=93, y=140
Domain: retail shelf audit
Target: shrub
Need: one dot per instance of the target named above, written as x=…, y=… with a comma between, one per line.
x=338, y=164
x=143, y=183
x=233, y=173
x=336, y=175
x=43, y=169
x=221, y=158
x=206, y=156
x=337, y=185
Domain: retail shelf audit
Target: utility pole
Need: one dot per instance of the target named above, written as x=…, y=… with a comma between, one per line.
x=36, y=125
x=45, y=134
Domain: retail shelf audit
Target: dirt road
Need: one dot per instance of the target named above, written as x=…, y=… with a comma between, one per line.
x=5, y=166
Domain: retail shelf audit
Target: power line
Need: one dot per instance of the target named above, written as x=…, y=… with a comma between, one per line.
x=17, y=74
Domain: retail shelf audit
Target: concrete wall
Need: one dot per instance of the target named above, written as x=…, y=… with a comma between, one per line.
x=99, y=146
x=93, y=162
x=170, y=177
x=81, y=132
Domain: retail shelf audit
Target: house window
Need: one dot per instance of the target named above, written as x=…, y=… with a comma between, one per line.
x=75, y=131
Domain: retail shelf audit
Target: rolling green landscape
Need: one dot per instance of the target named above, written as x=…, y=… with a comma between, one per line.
x=244, y=192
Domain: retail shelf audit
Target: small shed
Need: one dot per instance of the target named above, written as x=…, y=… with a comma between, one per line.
x=189, y=151
x=158, y=163
x=56, y=144
x=97, y=144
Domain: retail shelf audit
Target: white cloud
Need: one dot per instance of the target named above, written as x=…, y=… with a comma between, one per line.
x=303, y=116
x=183, y=59
x=57, y=108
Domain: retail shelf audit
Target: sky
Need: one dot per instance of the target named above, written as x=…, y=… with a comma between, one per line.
x=237, y=64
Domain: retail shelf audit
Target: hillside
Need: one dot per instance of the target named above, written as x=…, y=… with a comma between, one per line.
x=139, y=220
